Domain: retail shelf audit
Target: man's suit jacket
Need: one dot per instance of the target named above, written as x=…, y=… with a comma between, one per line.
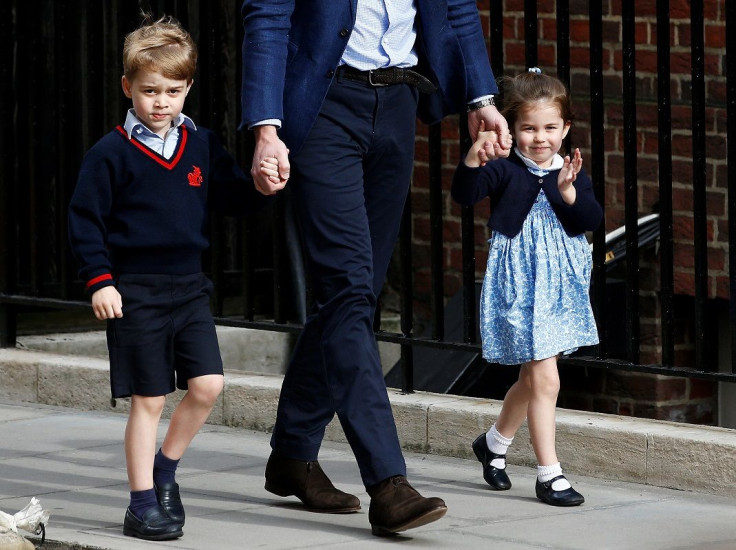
x=292, y=48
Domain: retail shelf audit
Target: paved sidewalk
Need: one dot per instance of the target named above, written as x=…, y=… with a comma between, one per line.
x=73, y=462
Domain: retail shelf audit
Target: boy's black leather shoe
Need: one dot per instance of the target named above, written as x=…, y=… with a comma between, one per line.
x=170, y=500
x=567, y=497
x=154, y=525
x=495, y=477
x=307, y=482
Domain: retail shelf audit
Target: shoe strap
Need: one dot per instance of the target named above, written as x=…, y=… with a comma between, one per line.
x=551, y=481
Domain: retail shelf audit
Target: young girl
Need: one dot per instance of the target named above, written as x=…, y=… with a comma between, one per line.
x=534, y=301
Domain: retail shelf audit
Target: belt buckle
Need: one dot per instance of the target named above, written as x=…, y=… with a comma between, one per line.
x=374, y=84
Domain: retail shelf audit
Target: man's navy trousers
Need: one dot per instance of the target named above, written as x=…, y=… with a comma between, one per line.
x=350, y=180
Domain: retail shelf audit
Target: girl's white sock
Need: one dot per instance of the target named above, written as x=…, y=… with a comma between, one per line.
x=498, y=445
x=545, y=473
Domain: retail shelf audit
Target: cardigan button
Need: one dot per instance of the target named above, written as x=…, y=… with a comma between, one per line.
x=343, y=33
x=541, y=180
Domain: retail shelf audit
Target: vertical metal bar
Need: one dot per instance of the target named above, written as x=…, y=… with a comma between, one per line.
x=664, y=123
x=563, y=52
x=563, y=41
x=630, y=183
x=67, y=131
x=46, y=266
x=218, y=235
x=107, y=23
x=407, y=298
x=7, y=147
x=437, y=252
x=31, y=163
x=597, y=166
x=530, y=33
x=467, y=232
x=699, y=205
x=279, y=283
x=8, y=246
x=247, y=278
x=203, y=24
x=496, y=37
x=731, y=126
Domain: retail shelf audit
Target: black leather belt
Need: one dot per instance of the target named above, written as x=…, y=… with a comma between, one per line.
x=387, y=77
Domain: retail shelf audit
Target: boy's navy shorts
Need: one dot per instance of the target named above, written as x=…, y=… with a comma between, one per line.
x=166, y=334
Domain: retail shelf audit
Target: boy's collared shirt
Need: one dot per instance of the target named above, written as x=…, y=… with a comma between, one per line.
x=164, y=147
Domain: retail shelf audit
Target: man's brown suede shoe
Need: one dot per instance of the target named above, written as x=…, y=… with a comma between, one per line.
x=307, y=481
x=397, y=506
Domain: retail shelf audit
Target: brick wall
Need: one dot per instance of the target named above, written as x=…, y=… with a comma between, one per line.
x=622, y=393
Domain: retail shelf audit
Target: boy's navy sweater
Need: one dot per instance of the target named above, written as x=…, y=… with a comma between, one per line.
x=513, y=189
x=133, y=211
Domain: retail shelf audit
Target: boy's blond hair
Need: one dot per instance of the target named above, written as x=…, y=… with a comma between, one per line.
x=162, y=46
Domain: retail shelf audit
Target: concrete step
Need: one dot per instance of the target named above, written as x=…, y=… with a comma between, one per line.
x=663, y=454
x=246, y=350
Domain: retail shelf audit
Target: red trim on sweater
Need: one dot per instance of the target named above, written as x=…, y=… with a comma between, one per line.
x=170, y=164
x=98, y=279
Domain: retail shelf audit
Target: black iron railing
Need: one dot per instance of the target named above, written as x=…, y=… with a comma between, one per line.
x=64, y=96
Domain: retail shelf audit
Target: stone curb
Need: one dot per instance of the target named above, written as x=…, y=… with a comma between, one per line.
x=663, y=454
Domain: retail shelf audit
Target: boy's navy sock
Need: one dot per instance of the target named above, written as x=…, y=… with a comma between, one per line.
x=141, y=501
x=164, y=469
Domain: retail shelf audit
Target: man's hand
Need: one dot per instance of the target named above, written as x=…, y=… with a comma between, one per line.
x=493, y=122
x=107, y=303
x=269, y=146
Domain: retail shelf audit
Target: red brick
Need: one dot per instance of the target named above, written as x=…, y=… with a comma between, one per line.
x=681, y=117
x=684, y=283
x=682, y=145
x=547, y=29
x=684, y=255
x=580, y=31
x=680, y=63
x=546, y=55
x=420, y=178
x=723, y=231
x=641, y=32
x=420, y=229
x=716, y=260
x=723, y=287
x=715, y=203
x=646, y=387
x=715, y=36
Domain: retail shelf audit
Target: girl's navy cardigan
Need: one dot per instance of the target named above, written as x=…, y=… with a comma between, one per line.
x=133, y=211
x=513, y=189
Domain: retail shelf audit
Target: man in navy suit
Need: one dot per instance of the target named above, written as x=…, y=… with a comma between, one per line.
x=331, y=89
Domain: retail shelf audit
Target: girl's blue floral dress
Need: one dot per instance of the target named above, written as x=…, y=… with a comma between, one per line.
x=534, y=302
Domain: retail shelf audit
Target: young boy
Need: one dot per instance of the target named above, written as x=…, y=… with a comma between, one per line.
x=137, y=223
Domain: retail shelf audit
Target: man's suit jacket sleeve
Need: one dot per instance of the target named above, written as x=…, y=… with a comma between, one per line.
x=265, y=48
x=463, y=17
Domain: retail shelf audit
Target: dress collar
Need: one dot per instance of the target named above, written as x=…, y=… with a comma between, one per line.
x=557, y=163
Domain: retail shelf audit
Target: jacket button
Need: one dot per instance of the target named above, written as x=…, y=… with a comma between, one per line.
x=330, y=73
x=343, y=33
x=541, y=180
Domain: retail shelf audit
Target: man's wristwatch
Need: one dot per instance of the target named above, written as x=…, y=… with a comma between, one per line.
x=485, y=102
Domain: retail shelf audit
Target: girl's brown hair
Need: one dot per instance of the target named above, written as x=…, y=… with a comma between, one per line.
x=163, y=46
x=521, y=92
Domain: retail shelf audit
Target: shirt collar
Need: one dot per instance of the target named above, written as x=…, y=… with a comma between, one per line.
x=534, y=168
x=133, y=124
